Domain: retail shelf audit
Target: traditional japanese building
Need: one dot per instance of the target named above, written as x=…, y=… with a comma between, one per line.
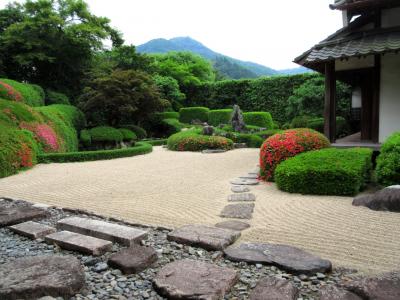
x=365, y=54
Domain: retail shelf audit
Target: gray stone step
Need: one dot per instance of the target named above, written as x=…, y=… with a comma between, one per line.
x=240, y=189
x=18, y=214
x=242, y=197
x=213, y=151
x=242, y=181
x=32, y=230
x=249, y=176
x=103, y=230
x=238, y=211
x=79, y=242
x=233, y=225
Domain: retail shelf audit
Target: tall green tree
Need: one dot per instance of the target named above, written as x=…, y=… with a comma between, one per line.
x=52, y=42
x=169, y=89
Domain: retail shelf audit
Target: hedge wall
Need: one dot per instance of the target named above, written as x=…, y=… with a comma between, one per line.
x=260, y=119
x=219, y=116
x=388, y=162
x=188, y=114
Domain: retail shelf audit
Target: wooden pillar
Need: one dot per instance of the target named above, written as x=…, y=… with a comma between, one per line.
x=376, y=99
x=330, y=102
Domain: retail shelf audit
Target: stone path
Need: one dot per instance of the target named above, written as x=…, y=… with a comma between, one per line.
x=13, y=215
x=32, y=230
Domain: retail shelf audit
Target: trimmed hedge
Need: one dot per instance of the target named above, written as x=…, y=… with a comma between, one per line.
x=138, y=149
x=127, y=135
x=168, y=115
x=159, y=142
x=219, y=116
x=30, y=94
x=260, y=119
x=192, y=140
x=326, y=172
x=139, y=131
x=85, y=137
x=318, y=124
x=388, y=162
x=287, y=144
x=105, y=134
x=251, y=140
x=171, y=126
x=53, y=97
x=188, y=114
x=264, y=134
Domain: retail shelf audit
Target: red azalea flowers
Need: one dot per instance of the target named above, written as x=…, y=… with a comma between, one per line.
x=291, y=142
x=9, y=93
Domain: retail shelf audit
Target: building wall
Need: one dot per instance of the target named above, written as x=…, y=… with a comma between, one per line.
x=389, y=114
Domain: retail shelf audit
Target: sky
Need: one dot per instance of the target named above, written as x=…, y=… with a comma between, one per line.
x=269, y=32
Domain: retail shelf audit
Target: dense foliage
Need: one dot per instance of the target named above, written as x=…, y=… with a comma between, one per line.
x=53, y=97
x=169, y=90
x=219, y=116
x=326, y=172
x=193, y=141
x=289, y=143
x=139, y=131
x=167, y=115
x=260, y=119
x=105, y=134
x=127, y=135
x=388, y=162
x=21, y=92
x=342, y=126
x=189, y=114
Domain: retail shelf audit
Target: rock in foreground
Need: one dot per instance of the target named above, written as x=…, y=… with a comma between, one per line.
x=288, y=258
x=387, y=199
x=189, y=279
x=274, y=289
x=35, y=277
x=18, y=214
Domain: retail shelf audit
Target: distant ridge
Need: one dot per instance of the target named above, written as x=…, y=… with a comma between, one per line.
x=227, y=66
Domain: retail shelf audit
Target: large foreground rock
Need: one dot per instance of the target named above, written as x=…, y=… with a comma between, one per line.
x=336, y=293
x=133, y=259
x=189, y=279
x=207, y=237
x=35, y=277
x=274, y=289
x=17, y=214
x=124, y=235
x=387, y=199
x=288, y=258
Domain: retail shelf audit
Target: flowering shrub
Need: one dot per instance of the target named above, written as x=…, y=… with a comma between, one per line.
x=193, y=141
x=287, y=144
x=45, y=135
x=9, y=93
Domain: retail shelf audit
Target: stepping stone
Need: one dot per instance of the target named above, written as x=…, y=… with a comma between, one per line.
x=239, y=145
x=206, y=237
x=242, y=197
x=79, y=242
x=288, y=258
x=18, y=214
x=238, y=211
x=32, y=230
x=233, y=225
x=335, y=293
x=242, y=181
x=189, y=279
x=256, y=171
x=103, y=230
x=240, y=189
x=212, y=151
x=249, y=176
x=134, y=259
x=274, y=288
x=37, y=276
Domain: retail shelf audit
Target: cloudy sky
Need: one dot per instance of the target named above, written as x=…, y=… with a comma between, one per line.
x=269, y=32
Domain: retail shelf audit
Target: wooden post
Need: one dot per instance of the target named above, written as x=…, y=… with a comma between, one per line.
x=330, y=102
x=376, y=99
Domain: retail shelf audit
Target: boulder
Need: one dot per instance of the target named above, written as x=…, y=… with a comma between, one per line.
x=274, y=289
x=288, y=258
x=387, y=199
x=189, y=279
x=208, y=130
x=335, y=293
x=37, y=276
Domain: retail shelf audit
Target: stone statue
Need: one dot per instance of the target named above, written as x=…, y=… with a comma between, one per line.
x=237, y=119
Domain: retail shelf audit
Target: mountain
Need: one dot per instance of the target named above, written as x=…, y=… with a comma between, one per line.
x=227, y=66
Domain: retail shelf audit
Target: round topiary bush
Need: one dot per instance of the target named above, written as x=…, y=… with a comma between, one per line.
x=127, y=135
x=139, y=131
x=219, y=116
x=105, y=134
x=259, y=118
x=194, y=141
x=287, y=144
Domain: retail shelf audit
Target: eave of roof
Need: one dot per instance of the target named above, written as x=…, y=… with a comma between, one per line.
x=362, y=4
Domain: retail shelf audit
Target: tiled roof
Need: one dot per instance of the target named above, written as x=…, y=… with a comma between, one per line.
x=355, y=4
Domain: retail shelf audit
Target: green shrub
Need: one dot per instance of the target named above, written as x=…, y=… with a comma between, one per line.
x=264, y=134
x=192, y=140
x=171, y=126
x=219, y=116
x=30, y=94
x=318, y=125
x=158, y=142
x=260, y=119
x=139, y=148
x=139, y=131
x=326, y=172
x=251, y=140
x=85, y=137
x=53, y=97
x=40, y=90
x=127, y=135
x=300, y=122
x=105, y=134
x=388, y=162
x=168, y=115
x=189, y=114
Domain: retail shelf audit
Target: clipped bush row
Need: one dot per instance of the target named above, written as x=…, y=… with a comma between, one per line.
x=260, y=119
x=139, y=131
x=388, y=162
x=29, y=94
x=318, y=124
x=159, y=142
x=168, y=115
x=106, y=137
x=219, y=116
x=138, y=149
x=289, y=143
x=326, y=172
x=188, y=114
x=192, y=140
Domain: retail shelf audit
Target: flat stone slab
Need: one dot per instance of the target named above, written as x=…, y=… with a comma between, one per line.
x=242, y=181
x=274, y=288
x=37, y=276
x=387, y=199
x=249, y=176
x=134, y=259
x=239, y=145
x=238, y=211
x=213, y=151
x=79, y=242
x=18, y=214
x=206, y=237
x=103, y=230
x=32, y=230
x=336, y=293
x=240, y=189
x=189, y=279
x=233, y=225
x=255, y=171
x=242, y=197
x=288, y=258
